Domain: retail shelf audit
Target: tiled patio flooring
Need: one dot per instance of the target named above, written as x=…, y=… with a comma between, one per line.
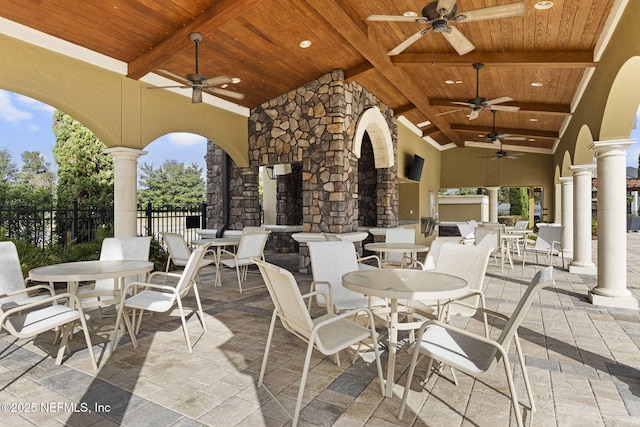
x=583, y=362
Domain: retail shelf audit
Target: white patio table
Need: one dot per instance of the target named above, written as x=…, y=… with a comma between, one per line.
x=218, y=243
x=403, y=284
x=397, y=247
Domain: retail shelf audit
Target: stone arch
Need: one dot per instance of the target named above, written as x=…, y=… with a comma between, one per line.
x=582, y=154
x=622, y=102
x=373, y=122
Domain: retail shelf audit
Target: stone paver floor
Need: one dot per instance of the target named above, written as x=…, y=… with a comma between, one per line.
x=583, y=362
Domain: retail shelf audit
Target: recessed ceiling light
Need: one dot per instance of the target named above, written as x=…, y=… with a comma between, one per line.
x=532, y=140
x=480, y=135
x=224, y=86
x=423, y=124
x=543, y=5
x=235, y=80
x=305, y=44
x=410, y=13
x=533, y=120
x=458, y=82
x=537, y=84
x=450, y=82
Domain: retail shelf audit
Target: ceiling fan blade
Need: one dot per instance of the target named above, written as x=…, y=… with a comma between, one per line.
x=499, y=100
x=458, y=41
x=408, y=42
x=395, y=18
x=474, y=114
x=463, y=103
x=215, y=81
x=507, y=108
x=493, y=12
x=169, y=87
x=175, y=76
x=449, y=112
x=508, y=137
x=447, y=5
x=224, y=92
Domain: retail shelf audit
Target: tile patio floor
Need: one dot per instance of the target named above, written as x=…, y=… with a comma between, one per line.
x=583, y=361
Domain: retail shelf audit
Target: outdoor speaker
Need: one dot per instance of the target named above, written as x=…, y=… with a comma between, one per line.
x=416, y=168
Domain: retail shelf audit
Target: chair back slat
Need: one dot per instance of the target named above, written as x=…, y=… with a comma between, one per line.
x=251, y=245
x=487, y=237
x=330, y=260
x=286, y=298
x=399, y=235
x=547, y=234
x=542, y=279
x=125, y=248
x=177, y=247
x=11, y=278
x=190, y=272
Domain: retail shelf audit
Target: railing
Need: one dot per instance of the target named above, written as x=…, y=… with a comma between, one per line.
x=50, y=225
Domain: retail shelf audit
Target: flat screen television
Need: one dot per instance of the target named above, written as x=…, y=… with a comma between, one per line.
x=415, y=172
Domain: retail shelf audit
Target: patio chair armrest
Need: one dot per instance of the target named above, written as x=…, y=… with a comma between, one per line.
x=29, y=289
x=43, y=301
x=162, y=273
x=375, y=257
x=328, y=296
x=135, y=285
x=336, y=318
x=554, y=243
x=460, y=331
x=412, y=261
x=226, y=252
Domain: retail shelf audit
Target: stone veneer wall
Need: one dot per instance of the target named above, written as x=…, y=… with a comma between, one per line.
x=289, y=197
x=314, y=125
x=214, y=159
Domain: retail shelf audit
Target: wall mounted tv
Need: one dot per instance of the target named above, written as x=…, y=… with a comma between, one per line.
x=415, y=171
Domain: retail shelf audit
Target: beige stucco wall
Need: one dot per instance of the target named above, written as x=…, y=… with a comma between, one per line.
x=415, y=196
x=119, y=110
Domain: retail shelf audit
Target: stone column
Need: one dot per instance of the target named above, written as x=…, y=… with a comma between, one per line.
x=493, y=203
x=582, y=258
x=566, y=212
x=611, y=290
x=125, y=190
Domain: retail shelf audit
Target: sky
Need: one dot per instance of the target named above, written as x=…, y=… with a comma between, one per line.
x=25, y=125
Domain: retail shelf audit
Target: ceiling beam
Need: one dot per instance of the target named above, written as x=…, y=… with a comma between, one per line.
x=359, y=71
x=555, y=59
x=560, y=109
x=207, y=22
x=355, y=31
x=398, y=111
x=520, y=132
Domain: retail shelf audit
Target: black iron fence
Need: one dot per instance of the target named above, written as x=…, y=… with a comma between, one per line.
x=51, y=225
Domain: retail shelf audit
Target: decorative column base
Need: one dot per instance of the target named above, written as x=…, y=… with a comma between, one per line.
x=618, y=302
x=590, y=270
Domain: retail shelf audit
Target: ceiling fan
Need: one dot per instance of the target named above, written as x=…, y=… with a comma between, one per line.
x=198, y=82
x=437, y=16
x=480, y=103
x=496, y=137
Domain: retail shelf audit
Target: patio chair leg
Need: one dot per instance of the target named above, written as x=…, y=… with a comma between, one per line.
x=303, y=382
x=239, y=281
x=184, y=325
x=525, y=375
x=407, y=387
x=200, y=311
x=87, y=338
x=267, y=347
x=65, y=331
x=512, y=389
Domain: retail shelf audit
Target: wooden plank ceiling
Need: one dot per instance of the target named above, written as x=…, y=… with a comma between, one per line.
x=257, y=41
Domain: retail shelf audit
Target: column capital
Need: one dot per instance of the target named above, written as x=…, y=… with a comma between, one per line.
x=614, y=146
x=125, y=153
x=566, y=180
x=582, y=169
x=493, y=188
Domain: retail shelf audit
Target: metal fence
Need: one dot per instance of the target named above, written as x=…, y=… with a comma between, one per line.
x=51, y=225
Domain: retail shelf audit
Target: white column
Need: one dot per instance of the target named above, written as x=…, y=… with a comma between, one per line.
x=125, y=190
x=493, y=203
x=566, y=212
x=582, y=262
x=634, y=203
x=612, y=289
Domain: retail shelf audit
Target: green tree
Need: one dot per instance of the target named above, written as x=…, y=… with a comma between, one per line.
x=173, y=183
x=466, y=191
x=35, y=172
x=519, y=200
x=7, y=174
x=85, y=171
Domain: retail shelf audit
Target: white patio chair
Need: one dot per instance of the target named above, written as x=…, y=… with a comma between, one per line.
x=179, y=251
x=474, y=354
x=13, y=286
x=328, y=334
x=251, y=246
x=466, y=261
x=163, y=298
x=329, y=261
x=106, y=291
x=397, y=235
x=430, y=260
x=521, y=225
x=548, y=242
x=491, y=237
x=29, y=319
